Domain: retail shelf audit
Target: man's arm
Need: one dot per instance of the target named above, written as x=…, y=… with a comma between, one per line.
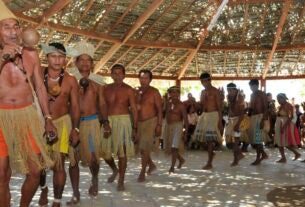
x=103, y=111
x=219, y=103
x=39, y=85
x=133, y=107
x=74, y=101
x=158, y=105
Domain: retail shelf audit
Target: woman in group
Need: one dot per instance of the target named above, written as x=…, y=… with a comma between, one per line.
x=286, y=133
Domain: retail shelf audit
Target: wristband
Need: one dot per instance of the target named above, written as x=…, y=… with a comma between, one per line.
x=76, y=129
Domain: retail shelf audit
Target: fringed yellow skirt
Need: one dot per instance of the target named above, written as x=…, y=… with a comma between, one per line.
x=230, y=134
x=22, y=137
x=146, y=132
x=120, y=137
x=90, y=139
x=173, y=137
x=62, y=146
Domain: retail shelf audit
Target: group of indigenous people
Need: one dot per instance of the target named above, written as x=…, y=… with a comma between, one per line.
x=48, y=115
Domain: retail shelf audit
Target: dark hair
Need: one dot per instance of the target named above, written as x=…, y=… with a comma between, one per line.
x=118, y=66
x=231, y=86
x=268, y=94
x=205, y=75
x=146, y=72
x=58, y=46
x=253, y=82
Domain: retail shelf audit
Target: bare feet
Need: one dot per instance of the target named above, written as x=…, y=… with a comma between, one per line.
x=171, y=170
x=151, y=169
x=55, y=204
x=93, y=190
x=264, y=156
x=234, y=163
x=43, y=200
x=297, y=156
x=113, y=176
x=207, y=167
x=303, y=161
x=141, y=177
x=282, y=160
x=256, y=162
x=120, y=187
x=74, y=201
x=181, y=162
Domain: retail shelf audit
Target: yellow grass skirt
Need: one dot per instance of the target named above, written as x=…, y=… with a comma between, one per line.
x=17, y=124
x=62, y=146
x=120, y=138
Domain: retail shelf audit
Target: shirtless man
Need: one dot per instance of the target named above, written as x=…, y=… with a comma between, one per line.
x=258, y=112
x=150, y=120
x=121, y=102
x=236, y=113
x=209, y=124
x=21, y=128
x=63, y=94
x=176, y=120
x=92, y=109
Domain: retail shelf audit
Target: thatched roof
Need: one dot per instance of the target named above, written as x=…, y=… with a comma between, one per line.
x=251, y=37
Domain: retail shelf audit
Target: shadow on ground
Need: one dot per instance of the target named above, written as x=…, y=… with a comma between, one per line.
x=287, y=196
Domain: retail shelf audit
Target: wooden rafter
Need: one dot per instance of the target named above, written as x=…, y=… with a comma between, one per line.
x=122, y=56
x=107, y=11
x=164, y=59
x=141, y=19
x=150, y=59
x=176, y=62
x=130, y=7
x=283, y=18
x=56, y=7
x=135, y=59
x=237, y=2
x=203, y=35
x=158, y=19
x=157, y=44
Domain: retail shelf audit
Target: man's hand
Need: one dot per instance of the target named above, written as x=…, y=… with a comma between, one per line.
x=135, y=136
x=74, y=138
x=158, y=130
x=51, y=129
x=10, y=51
x=236, y=127
x=107, y=130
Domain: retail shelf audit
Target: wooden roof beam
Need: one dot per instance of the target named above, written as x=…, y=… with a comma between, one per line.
x=283, y=18
x=203, y=35
x=56, y=7
x=236, y=2
x=141, y=19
